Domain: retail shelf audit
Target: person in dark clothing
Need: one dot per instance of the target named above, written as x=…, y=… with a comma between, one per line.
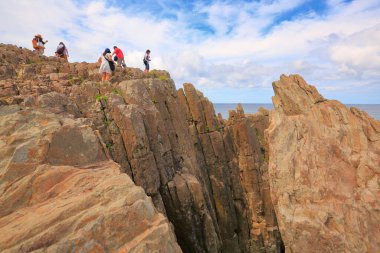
x=62, y=51
x=146, y=61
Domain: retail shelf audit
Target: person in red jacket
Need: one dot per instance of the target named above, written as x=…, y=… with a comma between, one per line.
x=119, y=57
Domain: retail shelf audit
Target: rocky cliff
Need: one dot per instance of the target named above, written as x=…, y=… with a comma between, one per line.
x=324, y=171
x=74, y=148
x=206, y=175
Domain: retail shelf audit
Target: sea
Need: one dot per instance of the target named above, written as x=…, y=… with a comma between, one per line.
x=371, y=109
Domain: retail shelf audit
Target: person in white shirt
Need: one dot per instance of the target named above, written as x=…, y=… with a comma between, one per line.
x=105, y=64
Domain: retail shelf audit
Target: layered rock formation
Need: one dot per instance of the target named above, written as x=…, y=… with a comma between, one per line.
x=60, y=192
x=215, y=180
x=206, y=175
x=324, y=170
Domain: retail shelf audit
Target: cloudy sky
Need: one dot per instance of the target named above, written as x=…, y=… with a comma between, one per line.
x=230, y=50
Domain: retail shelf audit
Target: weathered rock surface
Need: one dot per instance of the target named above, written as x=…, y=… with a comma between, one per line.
x=324, y=171
x=169, y=142
x=206, y=175
x=60, y=193
x=73, y=144
x=231, y=154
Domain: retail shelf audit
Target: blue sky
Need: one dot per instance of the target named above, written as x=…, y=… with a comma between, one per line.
x=230, y=50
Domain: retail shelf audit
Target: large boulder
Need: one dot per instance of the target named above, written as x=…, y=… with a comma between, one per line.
x=324, y=170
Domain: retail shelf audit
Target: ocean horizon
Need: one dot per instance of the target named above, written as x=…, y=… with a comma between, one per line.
x=223, y=108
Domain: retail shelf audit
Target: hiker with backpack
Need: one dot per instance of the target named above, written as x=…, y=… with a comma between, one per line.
x=106, y=64
x=119, y=57
x=146, y=61
x=39, y=44
x=62, y=51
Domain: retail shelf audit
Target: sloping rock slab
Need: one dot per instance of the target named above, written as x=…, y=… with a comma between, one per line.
x=53, y=199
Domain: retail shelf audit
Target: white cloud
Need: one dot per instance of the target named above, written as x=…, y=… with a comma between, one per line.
x=360, y=50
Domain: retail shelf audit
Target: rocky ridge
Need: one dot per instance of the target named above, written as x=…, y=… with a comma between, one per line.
x=213, y=179
x=206, y=175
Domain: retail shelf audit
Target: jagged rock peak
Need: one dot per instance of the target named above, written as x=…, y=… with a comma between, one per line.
x=294, y=96
x=239, y=109
x=236, y=114
x=324, y=170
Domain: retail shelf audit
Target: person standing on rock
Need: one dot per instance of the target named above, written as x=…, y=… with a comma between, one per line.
x=62, y=51
x=119, y=56
x=39, y=44
x=106, y=64
x=146, y=61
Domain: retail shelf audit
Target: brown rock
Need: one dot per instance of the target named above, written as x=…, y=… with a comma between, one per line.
x=58, y=103
x=81, y=202
x=236, y=169
x=324, y=162
x=257, y=220
x=8, y=89
x=208, y=175
x=294, y=103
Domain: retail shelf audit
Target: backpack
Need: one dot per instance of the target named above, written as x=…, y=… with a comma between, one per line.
x=111, y=63
x=34, y=42
x=61, y=49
